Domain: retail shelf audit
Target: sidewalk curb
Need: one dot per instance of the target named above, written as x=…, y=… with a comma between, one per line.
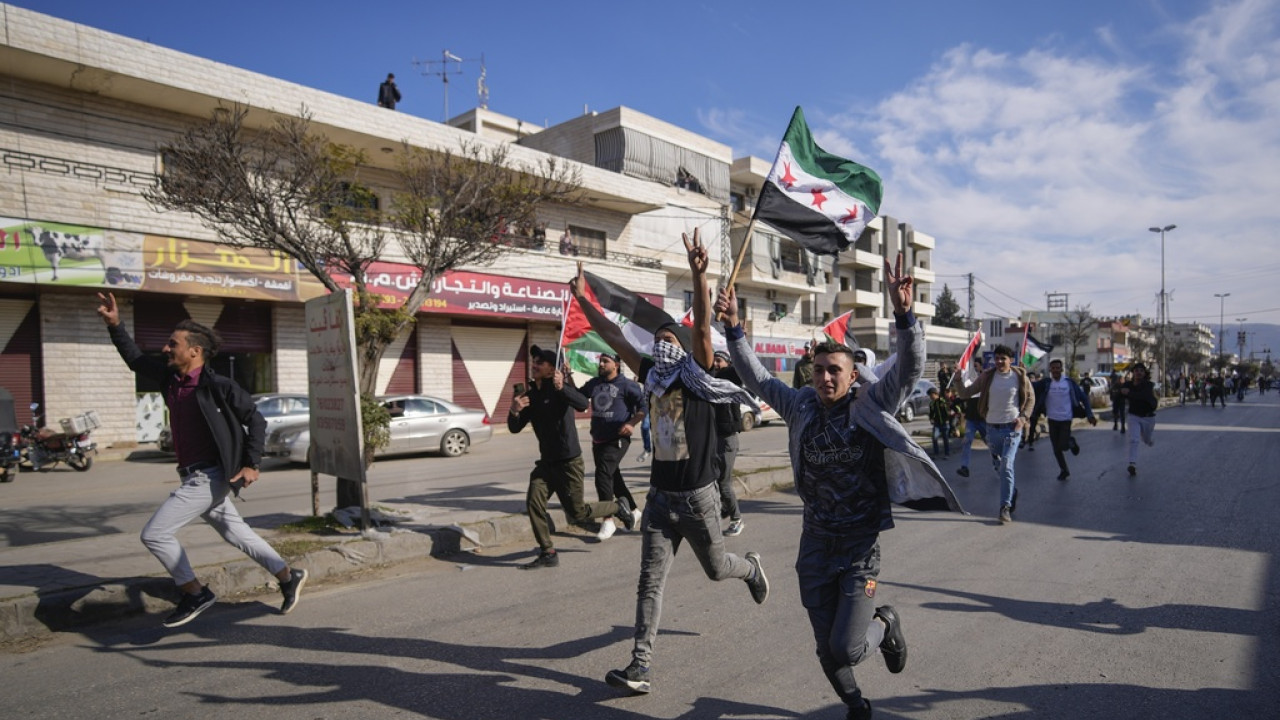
x=41, y=614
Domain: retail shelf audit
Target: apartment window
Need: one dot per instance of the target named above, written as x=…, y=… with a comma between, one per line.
x=588, y=242
x=688, y=300
x=737, y=201
x=844, y=283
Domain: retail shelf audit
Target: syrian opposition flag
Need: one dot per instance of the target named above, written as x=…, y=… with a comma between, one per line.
x=838, y=331
x=637, y=318
x=965, y=365
x=821, y=201
x=1033, y=349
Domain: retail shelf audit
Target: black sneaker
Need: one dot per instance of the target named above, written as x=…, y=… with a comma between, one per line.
x=1075, y=447
x=626, y=514
x=1133, y=469
x=963, y=471
x=862, y=712
x=635, y=677
x=292, y=590
x=544, y=559
x=1064, y=475
x=759, y=584
x=190, y=607
x=894, y=645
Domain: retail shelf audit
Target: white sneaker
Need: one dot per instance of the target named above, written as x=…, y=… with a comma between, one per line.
x=607, y=529
x=643, y=456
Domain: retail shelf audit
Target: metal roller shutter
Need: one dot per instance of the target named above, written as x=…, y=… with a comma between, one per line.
x=404, y=379
x=487, y=361
x=21, y=358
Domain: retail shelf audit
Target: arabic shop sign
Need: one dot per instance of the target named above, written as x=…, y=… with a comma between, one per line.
x=47, y=253
x=468, y=293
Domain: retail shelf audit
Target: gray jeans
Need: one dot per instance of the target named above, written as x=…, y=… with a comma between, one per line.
x=670, y=517
x=838, y=588
x=206, y=494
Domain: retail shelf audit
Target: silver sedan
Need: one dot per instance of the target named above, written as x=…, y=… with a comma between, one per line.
x=419, y=423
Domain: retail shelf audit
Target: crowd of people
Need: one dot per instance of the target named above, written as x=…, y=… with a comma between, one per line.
x=844, y=445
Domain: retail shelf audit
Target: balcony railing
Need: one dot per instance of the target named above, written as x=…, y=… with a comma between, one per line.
x=539, y=244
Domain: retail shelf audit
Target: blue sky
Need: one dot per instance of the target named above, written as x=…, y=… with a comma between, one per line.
x=1037, y=141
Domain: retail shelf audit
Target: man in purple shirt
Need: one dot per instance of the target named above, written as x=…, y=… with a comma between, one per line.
x=208, y=414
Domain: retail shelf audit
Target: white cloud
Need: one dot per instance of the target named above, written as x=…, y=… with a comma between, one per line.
x=1041, y=171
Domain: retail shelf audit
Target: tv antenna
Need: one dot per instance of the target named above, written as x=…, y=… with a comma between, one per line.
x=450, y=64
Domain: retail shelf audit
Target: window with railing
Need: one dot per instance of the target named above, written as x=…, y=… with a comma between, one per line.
x=587, y=242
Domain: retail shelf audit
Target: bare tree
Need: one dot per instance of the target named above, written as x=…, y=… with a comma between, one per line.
x=288, y=188
x=1078, y=329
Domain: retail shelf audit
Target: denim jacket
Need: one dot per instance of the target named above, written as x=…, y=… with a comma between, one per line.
x=911, y=477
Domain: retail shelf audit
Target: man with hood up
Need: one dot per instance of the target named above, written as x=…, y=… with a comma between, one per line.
x=850, y=461
x=683, y=503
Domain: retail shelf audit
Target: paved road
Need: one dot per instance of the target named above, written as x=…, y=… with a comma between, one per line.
x=1109, y=597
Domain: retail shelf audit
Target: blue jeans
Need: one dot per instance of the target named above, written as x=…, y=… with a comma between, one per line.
x=1003, y=441
x=838, y=587
x=971, y=428
x=669, y=518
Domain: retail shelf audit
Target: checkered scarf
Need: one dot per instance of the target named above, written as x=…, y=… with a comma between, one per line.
x=670, y=362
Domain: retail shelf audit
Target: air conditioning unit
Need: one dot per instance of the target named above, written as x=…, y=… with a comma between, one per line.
x=771, y=294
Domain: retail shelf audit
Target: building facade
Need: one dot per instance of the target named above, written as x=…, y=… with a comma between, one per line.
x=85, y=111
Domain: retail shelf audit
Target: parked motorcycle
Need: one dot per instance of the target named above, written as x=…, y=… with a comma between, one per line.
x=45, y=447
x=10, y=438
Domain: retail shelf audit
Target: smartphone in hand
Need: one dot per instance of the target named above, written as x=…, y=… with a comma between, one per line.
x=519, y=388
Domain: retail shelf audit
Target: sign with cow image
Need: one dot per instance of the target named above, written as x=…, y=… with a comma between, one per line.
x=47, y=253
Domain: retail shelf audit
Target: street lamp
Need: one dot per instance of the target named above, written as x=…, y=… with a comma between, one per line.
x=1164, y=304
x=1222, y=301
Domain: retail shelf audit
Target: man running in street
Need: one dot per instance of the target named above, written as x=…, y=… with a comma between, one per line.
x=683, y=502
x=218, y=435
x=843, y=443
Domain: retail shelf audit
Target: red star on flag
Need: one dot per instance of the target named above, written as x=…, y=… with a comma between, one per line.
x=853, y=215
x=818, y=198
x=787, y=180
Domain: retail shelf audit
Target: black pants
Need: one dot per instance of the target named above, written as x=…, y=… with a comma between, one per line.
x=726, y=455
x=1060, y=438
x=609, y=483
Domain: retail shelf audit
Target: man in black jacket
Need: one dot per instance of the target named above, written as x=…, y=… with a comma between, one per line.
x=549, y=404
x=208, y=415
x=388, y=93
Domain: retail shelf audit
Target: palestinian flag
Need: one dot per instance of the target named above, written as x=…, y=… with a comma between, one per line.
x=838, y=331
x=821, y=201
x=637, y=318
x=1033, y=350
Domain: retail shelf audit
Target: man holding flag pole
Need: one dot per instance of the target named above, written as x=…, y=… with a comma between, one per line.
x=849, y=457
x=683, y=503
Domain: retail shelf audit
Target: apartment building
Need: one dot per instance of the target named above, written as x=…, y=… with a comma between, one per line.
x=84, y=111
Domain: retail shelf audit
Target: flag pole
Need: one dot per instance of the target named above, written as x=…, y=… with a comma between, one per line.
x=742, y=254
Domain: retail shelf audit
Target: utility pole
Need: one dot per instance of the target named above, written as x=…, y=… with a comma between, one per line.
x=972, y=324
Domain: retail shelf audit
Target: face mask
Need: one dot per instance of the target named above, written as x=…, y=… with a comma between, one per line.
x=667, y=354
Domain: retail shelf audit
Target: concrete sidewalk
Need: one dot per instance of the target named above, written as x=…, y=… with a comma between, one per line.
x=59, y=586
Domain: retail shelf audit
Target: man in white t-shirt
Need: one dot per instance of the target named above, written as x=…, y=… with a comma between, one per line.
x=1061, y=400
x=1006, y=401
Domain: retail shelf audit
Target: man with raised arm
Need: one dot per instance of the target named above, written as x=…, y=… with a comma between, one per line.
x=683, y=503
x=850, y=460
